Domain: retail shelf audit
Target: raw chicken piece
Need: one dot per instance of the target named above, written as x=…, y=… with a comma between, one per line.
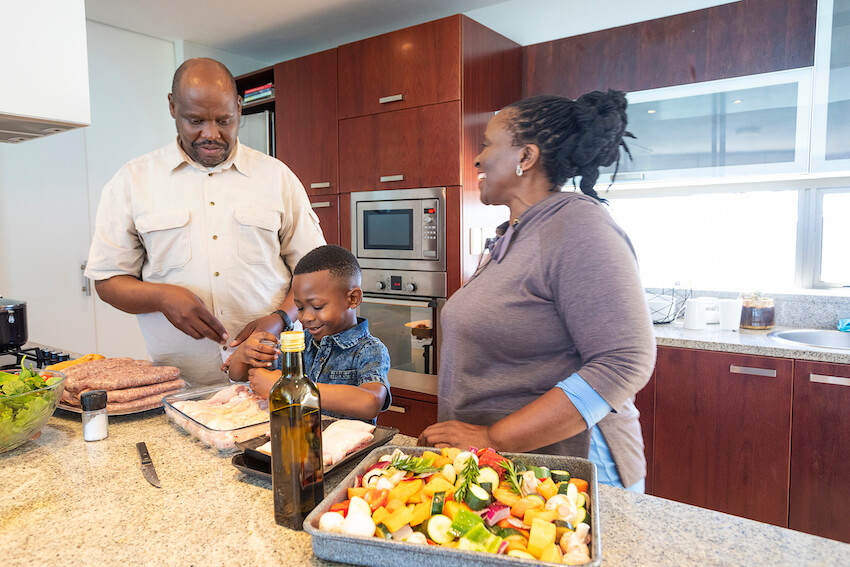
x=340, y=438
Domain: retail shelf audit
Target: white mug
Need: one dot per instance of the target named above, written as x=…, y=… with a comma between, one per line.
x=730, y=314
x=694, y=314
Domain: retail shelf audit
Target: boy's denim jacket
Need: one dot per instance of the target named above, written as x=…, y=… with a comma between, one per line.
x=352, y=357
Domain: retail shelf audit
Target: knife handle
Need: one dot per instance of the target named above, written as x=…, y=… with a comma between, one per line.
x=143, y=453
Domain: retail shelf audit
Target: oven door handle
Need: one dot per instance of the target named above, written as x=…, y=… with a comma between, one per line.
x=403, y=302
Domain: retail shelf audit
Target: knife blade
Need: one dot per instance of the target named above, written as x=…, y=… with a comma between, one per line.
x=147, y=465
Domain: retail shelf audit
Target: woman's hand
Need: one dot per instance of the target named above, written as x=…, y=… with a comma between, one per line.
x=456, y=434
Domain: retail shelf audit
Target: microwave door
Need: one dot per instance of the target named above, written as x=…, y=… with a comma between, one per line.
x=389, y=230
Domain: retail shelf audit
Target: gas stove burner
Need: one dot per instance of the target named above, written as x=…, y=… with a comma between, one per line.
x=36, y=357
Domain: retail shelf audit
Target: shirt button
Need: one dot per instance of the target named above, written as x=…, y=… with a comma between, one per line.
x=212, y=203
x=210, y=174
x=215, y=274
x=215, y=237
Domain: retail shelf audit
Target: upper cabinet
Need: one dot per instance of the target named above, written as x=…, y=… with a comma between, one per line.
x=45, y=78
x=306, y=117
x=730, y=127
x=831, y=120
x=411, y=67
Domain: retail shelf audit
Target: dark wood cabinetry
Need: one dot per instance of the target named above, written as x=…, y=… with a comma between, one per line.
x=411, y=67
x=820, y=450
x=417, y=147
x=410, y=412
x=326, y=208
x=306, y=120
x=645, y=404
x=723, y=432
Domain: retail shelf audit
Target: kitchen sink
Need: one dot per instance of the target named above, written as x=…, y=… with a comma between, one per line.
x=813, y=337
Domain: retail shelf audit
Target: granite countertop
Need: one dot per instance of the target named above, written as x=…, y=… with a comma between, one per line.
x=71, y=503
x=743, y=341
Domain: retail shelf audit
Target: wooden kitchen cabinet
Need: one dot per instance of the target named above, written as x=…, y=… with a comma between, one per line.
x=326, y=208
x=645, y=404
x=410, y=412
x=411, y=67
x=722, y=432
x=401, y=149
x=306, y=120
x=820, y=450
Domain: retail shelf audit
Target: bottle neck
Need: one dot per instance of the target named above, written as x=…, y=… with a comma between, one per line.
x=292, y=363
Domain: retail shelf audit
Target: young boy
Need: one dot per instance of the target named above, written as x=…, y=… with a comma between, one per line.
x=347, y=363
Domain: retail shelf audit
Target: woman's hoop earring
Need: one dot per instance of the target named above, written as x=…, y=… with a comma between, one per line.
x=518, y=170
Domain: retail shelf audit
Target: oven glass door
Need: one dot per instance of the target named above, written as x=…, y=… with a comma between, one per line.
x=406, y=327
x=389, y=229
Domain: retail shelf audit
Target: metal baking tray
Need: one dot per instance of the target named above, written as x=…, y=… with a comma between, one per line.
x=223, y=440
x=379, y=552
x=259, y=464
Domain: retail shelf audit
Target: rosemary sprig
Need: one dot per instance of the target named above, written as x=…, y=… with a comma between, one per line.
x=413, y=464
x=469, y=474
x=512, y=476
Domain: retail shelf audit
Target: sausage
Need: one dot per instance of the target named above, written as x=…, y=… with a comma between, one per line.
x=141, y=403
x=130, y=394
x=78, y=376
x=132, y=376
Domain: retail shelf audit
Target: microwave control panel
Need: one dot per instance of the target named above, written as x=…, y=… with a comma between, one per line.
x=430, y=228
x=398, y=282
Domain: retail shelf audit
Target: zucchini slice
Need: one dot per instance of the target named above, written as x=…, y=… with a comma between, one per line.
x=382, y=531
x=437, y=503
x=540, y=472
x=438, y=529
x=476, y=497
x=488, y=474
x=560, y=476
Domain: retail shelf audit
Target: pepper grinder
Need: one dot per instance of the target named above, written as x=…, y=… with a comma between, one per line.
x=95, y=419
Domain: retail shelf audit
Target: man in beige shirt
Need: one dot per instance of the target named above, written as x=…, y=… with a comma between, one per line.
x=199, y=238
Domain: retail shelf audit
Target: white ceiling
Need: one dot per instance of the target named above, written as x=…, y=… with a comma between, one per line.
x=270, y=31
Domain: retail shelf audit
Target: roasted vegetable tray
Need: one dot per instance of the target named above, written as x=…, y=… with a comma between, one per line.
x=379, y=552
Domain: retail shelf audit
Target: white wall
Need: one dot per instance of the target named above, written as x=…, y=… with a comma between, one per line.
x=237, y=64
x=50, y=188
x=534, y=21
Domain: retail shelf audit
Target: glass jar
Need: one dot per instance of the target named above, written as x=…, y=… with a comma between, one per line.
x=95, y=419
x=757, y=313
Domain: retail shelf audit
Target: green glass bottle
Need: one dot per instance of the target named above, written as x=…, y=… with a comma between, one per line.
x=296, y=437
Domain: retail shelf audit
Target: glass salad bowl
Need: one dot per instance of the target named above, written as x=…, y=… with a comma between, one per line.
x=28, y=398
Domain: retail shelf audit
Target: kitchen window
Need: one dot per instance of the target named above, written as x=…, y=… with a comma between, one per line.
x=739, y=241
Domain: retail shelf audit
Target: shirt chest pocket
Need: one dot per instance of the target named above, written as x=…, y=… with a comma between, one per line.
x=257, y=239
x=166, y=239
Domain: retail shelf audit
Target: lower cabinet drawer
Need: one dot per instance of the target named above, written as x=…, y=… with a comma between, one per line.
x=408, y=415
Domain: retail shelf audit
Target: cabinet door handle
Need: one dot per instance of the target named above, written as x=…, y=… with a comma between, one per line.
x=752, y=371
x=391, y=98
x=86, y=287
x=836, y=380
x=397, y=409
x=321, y=205
x=323, y=185
x=388, y=178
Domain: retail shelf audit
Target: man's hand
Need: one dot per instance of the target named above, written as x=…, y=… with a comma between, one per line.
x=455, y=434
x=270, y=324
x=187, y=312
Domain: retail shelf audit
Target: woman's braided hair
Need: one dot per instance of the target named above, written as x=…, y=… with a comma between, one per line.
x=575, y=138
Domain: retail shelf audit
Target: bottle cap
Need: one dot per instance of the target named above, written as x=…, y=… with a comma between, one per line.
x=292, y=341
x=93, y=400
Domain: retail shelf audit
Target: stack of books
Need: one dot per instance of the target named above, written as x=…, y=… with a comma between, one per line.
x=258, y=93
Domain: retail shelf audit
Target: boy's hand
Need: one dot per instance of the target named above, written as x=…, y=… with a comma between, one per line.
x=253, y=353
x=262, y=380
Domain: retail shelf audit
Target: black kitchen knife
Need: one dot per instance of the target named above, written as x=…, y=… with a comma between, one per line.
x=147, y=465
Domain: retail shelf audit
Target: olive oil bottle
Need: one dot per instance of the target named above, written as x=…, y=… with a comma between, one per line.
x=296, y=437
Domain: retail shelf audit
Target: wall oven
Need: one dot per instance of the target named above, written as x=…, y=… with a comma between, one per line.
x=398, y=237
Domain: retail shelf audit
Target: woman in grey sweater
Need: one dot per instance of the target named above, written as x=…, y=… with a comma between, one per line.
x=545, y=347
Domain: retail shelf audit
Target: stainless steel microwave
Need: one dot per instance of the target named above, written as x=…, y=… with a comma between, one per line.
x=400, y=229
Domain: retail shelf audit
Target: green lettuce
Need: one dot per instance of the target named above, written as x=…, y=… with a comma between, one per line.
x=21, y=414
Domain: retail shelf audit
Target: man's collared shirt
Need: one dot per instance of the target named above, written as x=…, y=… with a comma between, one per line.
x=231, y=234
x=351, y=357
